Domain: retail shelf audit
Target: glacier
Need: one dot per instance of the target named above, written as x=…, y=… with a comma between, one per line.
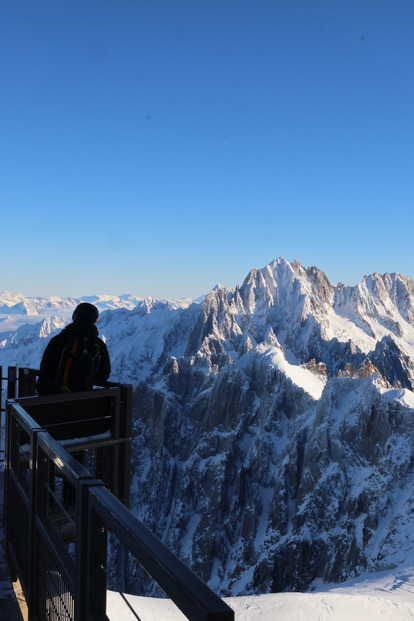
x=273, y=423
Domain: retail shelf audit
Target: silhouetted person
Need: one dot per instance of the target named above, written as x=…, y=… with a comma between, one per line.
x=77, y=358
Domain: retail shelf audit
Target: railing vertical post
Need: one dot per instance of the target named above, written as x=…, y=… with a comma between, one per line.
x=115, y=429
x=124, y=483
x=11, y=382
x=41, y=504
x=1, y=412
x=96, y=566
x=7, y=468
x=32, y=574
x=27, y=382
x=82, y=548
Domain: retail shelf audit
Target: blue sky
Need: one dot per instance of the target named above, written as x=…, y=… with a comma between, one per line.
x=158, y=147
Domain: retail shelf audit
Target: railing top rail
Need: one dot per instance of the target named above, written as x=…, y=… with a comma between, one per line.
x=25, y=420
x=70, y=396
x=70, y=467
x=189, y=593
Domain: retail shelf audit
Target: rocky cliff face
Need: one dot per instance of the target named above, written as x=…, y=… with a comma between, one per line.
x=273, y=426
x=264, y=470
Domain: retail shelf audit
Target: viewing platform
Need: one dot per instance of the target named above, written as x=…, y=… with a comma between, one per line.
x=68, y=533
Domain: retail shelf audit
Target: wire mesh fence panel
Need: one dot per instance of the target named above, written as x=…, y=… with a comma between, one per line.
x=20, y=448
x=100, y=462
x=54, y=534
x=17, y=525
x=54, y=601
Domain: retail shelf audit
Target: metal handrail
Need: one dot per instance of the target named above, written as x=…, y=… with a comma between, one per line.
x=194, y=598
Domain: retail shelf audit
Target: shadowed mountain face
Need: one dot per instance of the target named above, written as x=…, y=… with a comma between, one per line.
x=273, y=426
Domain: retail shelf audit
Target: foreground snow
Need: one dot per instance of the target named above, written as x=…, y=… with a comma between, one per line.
x=386, y=595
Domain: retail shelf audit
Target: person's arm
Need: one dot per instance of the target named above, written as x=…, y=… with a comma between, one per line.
x=104, y=370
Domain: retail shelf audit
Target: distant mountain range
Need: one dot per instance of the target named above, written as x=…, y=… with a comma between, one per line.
x=273, y=424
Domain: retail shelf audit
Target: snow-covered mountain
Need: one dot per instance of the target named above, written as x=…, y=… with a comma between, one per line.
x=27, y=323
x=273, y=424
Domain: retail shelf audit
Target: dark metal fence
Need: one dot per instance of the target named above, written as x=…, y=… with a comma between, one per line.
x=60, y=518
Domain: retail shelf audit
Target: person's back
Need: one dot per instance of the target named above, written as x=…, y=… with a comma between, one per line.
x=76, y=358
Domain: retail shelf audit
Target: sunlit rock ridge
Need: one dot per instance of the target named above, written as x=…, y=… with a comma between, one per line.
x=273, y=424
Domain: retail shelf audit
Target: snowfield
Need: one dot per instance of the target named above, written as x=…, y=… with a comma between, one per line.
x=311, y=383
x=387, y=595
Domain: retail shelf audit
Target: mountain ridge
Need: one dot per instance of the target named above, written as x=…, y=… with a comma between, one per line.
x=273, y=437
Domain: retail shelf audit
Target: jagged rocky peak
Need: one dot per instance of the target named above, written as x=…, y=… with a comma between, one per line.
x=267, y=286
x=255, y=291
x=380, y=297
x=396, y=286
x=49, y=325
x=277, y=286
x=216, y=323
x=365, y=369
x=308, y=316
x=401, y=292
x=321, y=287
x=287, y=286
x=317, y=368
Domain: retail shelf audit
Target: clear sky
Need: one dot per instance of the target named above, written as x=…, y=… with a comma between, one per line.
x=158, y=147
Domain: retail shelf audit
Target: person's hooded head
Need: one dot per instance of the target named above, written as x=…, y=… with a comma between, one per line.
x=85, y=312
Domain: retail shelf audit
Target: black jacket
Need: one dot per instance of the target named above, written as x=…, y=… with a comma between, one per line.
x=46, y=383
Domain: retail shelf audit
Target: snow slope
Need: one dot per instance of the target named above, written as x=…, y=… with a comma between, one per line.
x=387, y=595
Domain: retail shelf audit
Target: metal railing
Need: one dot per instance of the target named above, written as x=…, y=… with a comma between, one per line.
x=18, y=382
x=64, y=529
x=95, y=427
